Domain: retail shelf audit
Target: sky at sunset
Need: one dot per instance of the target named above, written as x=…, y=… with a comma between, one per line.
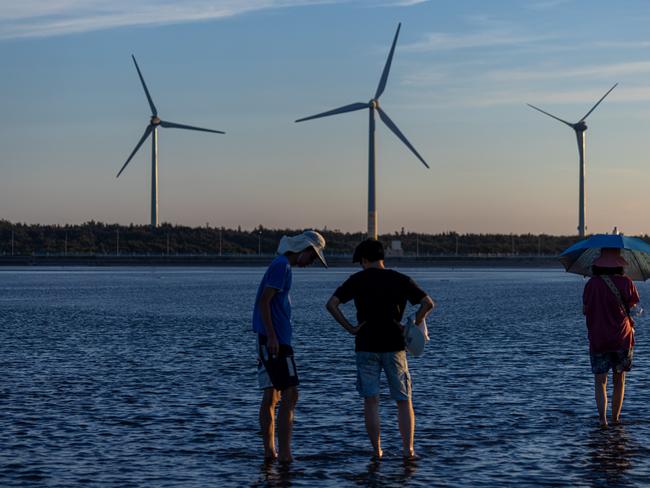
x=72, y=109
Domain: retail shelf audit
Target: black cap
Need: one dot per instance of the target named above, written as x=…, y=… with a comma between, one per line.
x=370, y=249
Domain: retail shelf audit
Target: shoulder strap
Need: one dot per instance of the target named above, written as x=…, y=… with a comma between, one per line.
x=608, y=281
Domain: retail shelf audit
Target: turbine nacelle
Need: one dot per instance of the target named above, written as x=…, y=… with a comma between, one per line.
x=155, y=120
x=374, y=103
x=580, y=126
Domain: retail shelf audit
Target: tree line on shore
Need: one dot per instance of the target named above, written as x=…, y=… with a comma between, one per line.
x=104, y=239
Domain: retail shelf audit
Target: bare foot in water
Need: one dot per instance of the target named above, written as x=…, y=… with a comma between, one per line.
x=270, y=456
x=411, y=456
x=286, y=459
x=616, y=421
x=377, y=456
x=603, y=424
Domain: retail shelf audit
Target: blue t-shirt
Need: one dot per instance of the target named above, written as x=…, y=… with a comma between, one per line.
x=278, y=276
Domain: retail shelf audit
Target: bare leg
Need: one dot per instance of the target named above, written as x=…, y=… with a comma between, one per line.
x=373, y=424
x=617, y=396
x=285, y=423
x=267, y=421
x=406, y=421
x=600, y=390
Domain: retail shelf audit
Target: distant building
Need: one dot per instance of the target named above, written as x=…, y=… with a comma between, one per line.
x=395, y=248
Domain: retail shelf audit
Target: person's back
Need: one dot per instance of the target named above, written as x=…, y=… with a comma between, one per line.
x=609, y=328
x=380, y=297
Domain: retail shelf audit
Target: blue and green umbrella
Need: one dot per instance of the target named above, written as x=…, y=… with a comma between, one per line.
x=579, y=258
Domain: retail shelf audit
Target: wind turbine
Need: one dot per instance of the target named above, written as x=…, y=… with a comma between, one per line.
x=373, y=105
x=152, y=128
x=580, y=128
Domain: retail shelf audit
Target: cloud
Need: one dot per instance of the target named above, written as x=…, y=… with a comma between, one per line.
x=621, y=44
x=404, y=3
x=547, y=4
x=596, y=71
x=440, y=41
x=43, y=18
x=541, y=98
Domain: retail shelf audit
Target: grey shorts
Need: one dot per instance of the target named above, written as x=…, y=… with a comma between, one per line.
x=395, y=366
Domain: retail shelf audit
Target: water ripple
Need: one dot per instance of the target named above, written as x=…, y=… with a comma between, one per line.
x=132, y=377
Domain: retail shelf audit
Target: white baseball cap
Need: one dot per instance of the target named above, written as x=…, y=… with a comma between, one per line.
x=309, y=238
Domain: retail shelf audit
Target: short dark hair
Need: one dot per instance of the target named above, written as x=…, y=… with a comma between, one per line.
x=370, y=249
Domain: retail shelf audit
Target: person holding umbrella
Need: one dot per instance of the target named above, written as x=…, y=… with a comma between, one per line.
x=607, y=299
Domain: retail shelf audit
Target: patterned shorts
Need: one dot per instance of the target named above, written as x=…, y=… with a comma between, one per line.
x=277, y=371
x=618, y=361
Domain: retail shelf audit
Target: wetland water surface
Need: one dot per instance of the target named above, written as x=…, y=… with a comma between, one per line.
x=146, y=377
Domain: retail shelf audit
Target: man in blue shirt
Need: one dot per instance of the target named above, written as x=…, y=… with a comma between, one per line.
x=276, y=371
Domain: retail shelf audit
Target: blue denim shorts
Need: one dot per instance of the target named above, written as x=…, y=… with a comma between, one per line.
x=618, y=361
x=369, y=366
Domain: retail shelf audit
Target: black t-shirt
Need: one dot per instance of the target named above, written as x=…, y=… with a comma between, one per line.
x=380, y=296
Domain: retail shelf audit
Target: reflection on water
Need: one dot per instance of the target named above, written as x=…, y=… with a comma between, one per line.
x=611, y=455
x=146, y=377
x=388, y=472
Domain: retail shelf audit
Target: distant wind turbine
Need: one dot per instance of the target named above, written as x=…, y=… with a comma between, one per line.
x=373, y=105
x=580, y=128
x=152, y=128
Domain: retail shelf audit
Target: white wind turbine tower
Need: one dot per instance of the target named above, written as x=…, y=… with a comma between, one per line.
x=152, y=128
x=580, y=128
x=373, y=105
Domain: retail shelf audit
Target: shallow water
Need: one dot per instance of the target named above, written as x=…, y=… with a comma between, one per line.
x=146, y=377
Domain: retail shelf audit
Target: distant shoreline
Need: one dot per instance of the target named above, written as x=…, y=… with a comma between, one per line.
x=257, y=261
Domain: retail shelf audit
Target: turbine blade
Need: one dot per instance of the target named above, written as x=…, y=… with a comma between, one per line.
x=174, y=125
x=147, y=131
x=551, y=115
x=146, y=91
x=384, y=74
x=391, y=125
x=347, y=108
x=598, y=103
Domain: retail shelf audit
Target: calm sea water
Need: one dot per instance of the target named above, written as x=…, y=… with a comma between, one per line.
x=146, y=377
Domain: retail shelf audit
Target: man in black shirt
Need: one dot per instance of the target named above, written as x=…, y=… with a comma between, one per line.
x=380, y=297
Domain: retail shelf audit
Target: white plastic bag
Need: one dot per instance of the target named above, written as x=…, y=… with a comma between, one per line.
x=415, y=336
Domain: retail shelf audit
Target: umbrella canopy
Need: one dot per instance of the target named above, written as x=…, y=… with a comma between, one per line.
x=580, y=257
